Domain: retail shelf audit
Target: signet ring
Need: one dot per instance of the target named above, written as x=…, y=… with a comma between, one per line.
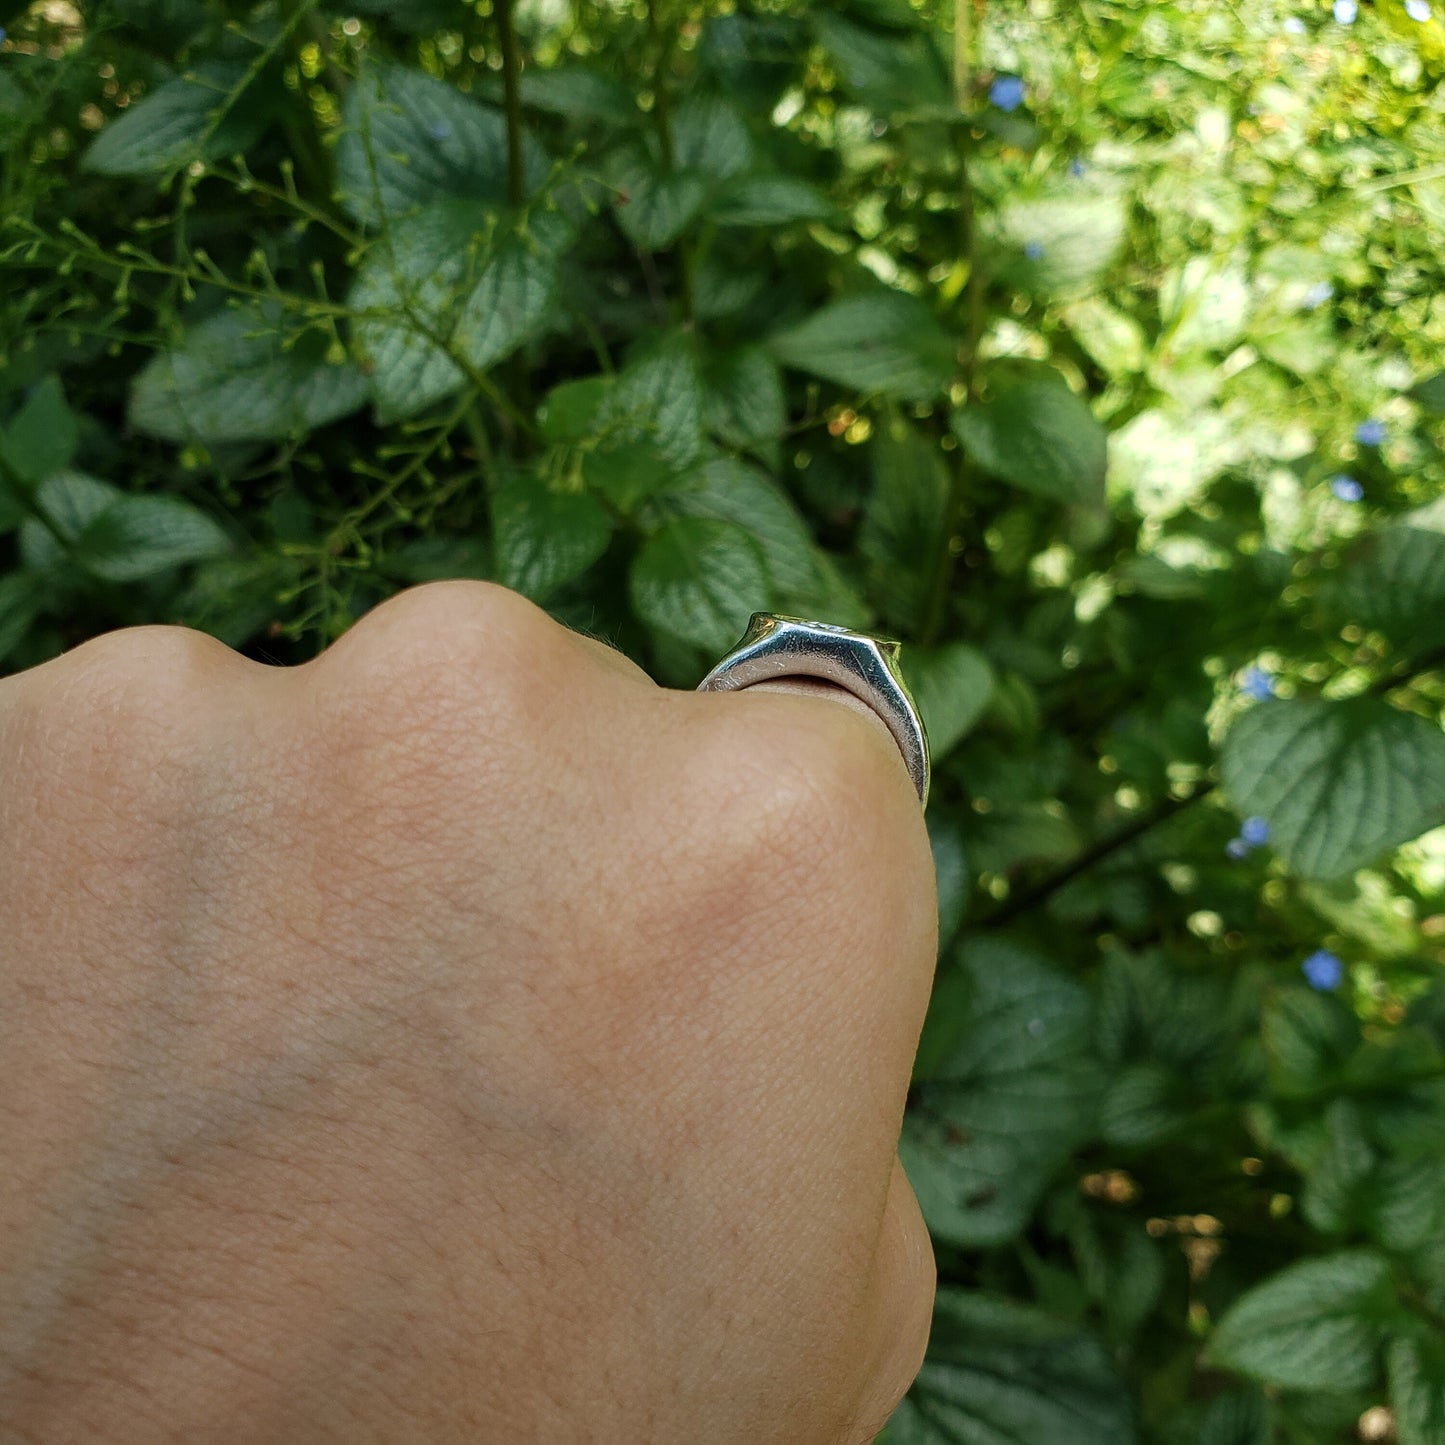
x=776, y=647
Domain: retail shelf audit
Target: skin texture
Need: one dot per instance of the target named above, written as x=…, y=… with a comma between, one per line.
x=457, y=1038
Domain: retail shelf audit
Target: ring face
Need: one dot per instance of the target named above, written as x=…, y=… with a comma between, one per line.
x=775, y=647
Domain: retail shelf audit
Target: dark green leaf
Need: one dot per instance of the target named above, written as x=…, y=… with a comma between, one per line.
x=243, y=375
x=627, y=470
x=710, y=138
x=1036, y=433
x=579, y=94
x=20, y=601
x=1338, y=782
x=1417, y=1388
x=770, y=201
x=544, y=538
x=743, y=402
x=1315, y=1325
x=884, y=343
x=1000, y=1373
x=1394, y=579
x=114, y=535
x=1002, y=1111
x=952, y=686
x=408, y=139
x=42, y=436
x=1430, y=393
x=203, y=115
x=1308, y=1038
x=888, y=70
x=904, y=519
x=659, y=398
x=654, y=204
x=700, y=579
x=569, y=411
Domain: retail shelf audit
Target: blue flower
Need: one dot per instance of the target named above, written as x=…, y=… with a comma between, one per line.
x=1346, y=10
x=1007, y=92
x=1417, y=10
x=1294, y=26
x=1318, y=294
x=1370, y=433
x=1323, y=970
x=439, y=130
x=1255, y=832
x=2, y=35
x=1077, y=168
x=1257, y=683
x=1347, y=489
x=1237, y=848
x=1034, y=250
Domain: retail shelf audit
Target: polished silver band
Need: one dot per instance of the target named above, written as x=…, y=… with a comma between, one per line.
x=776, y=647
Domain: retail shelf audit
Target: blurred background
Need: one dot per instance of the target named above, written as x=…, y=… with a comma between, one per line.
x=1096, y=350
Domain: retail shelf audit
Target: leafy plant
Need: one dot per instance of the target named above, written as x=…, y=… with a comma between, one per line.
x=1095, y=350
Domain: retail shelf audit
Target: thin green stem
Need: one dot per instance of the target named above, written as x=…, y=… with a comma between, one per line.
x=512, y=100
x=663, y=39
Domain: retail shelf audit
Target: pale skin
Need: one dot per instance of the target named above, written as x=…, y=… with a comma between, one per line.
x=458, y=1038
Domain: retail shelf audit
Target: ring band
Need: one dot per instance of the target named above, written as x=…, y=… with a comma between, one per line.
x=775, y=647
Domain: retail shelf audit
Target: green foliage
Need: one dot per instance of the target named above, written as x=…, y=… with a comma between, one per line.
x=782, y=308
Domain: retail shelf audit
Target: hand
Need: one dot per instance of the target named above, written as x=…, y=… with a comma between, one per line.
x=456, y=1038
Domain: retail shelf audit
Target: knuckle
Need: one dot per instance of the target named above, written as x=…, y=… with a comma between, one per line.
x=433, y=653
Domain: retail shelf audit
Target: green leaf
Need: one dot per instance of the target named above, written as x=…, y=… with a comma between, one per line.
x=735, y=492
x=569, y=411
x=888, y=70
x=628, y=470
x=579, y=94
x=1308, y=1038
x=1112, y=337
x=1394, y=579
x=20, y=605
x=952, y=686
x=1315, y=1325
x=1406, y=1207
x=905, y=516
x=1430, y=393
x=440, y=291
x=42, y=436
x=1078, y=234
x=659, y=398
x=884, y=343
x=700, y=579
x=654, y=204
x=1001, y=1373
x=1338, y=782
x=1037, y=434
x=408, y=139
x=1002, y=1112
x=544, y=539
x=114, y=535
x=240, y=375
x=1416, y=1366
x=1239, y=1417
x=743, y=402
x=775, y=200
x=710, y=137
x=1142, y=1106
x=206, y=114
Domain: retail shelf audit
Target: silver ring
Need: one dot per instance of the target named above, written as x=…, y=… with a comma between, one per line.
x=775, y=647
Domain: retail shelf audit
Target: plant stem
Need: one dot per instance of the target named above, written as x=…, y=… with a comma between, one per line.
x=1046, y=887
x=662, y=43
x=512, y=99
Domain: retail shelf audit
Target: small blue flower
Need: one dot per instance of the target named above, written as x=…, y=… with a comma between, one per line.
x=1370, y=433
x=1255, y=832
x=1237, y=848
x=1323, y=970
x=1007, y=92
x=1346, y=11
x=1347, y=489
x=439, y=130
x=1257, y=683
x=1318, y=294
x=1417, y=10
x=1294, y=26
x=1077, y=168
x=1034, y=250
x=2, y=35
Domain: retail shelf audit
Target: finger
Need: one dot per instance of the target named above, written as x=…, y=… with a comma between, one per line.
x=903, y=1285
